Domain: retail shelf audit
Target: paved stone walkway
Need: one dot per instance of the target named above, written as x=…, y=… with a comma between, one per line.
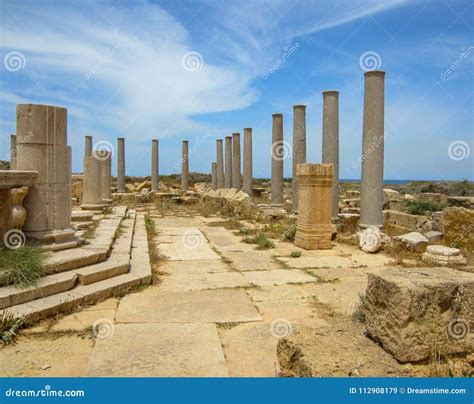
x=219, y=310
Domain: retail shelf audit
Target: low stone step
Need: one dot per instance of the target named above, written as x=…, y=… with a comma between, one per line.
x=82, y=225
x=82, y=216
x=104, y=270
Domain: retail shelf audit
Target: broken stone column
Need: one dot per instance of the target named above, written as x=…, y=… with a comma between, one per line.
x=299, y=148
x=220, y=164
x=331, y=143
x=105, y=175
x=92, y=182
x=228, y=162
x=13, y=152
x=214, y=176
x=184, y=166
x=42, y=132
x=278, y=155
x=154, y=165
x=314, y=226
x=371, y=187
x=236, y=177
x=247, y=183
x=87, y=146
x=121, y=164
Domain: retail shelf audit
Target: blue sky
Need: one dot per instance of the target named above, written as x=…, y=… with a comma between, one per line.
x=125, y=68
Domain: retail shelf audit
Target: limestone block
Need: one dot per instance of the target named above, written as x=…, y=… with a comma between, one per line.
x=413, y=241
x=400, y=219
x=130, y=188
x=461, y=201
x=142, y=185
x=348, y=223
x=459, y=227
x=433, y=197
x=12, y=212
x=437, y=221
x=414, y=311
x=77, y=190
x=434, y=236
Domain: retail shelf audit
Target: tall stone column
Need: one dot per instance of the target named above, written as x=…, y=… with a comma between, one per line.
x=314, y=227
x=214, y=176
x=92, y=183
x=185, y=166
x=247, y=185
x=220, y=164
x=371, y=188
x=236, y=176
x=278, y=155
x=87, y=146
x=154, y=165
x=13, y=152
x=42, y=132
x=228, y=162
x=331, y=143
x=105, y=175
x=121, y=164
x=299, y=148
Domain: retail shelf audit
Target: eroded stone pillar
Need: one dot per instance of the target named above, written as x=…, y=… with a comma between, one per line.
x=214, y=176
x=278, y=155
x=185, y=166
x=299, y=148
x=154, y=165
x=42, y=132
x=228, y=162
x=220, y=164
x=106, y=175
x=248, y=174
x=236, y=176
x=121, y=164
x=331, y=143
x=371, y=188
x=87, y=146
x=314, y=227
x=92, y=181
x=13, y=152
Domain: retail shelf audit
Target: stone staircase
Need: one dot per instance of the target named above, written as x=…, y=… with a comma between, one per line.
x=115, y=259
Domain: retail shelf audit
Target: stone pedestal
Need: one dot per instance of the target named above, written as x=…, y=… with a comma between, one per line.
x=121, y=164
x=371, y=187
x=42, y=133
x=236, y=176
x=92, y=182
x=331, y=143
x=278, y=155
x=87, y=146
x=220, y=164
x=248, y=175
x=106, y=176
x=185, y=166
x=154, y=165
x=13, y=152
x=299, y=148
x=214, y=176
x=228, y=162
x=314, y=227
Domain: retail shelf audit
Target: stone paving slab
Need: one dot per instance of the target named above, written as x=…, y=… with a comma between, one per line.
x=326, y=274
x=160, y=350
x=316, y=262
x=251, y=260
x=277, y=277
x=288, y=313
x=250, y=350
x=182, y=252
x=370, y=260
x=194, y=267
x=83, y=319
x=177, y=222
x=187, y=281
x=204, y=306
x=276, y=293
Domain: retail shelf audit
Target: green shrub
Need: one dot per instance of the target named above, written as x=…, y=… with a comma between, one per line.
x=150, y=225
x=22, y=267
x=262, y=241
x=295, y=254
x=423, y=208
x=9, y=326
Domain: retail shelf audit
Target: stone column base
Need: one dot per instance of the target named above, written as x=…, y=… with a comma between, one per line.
x=53, y=240
x=92, y=206
x=314, y=239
